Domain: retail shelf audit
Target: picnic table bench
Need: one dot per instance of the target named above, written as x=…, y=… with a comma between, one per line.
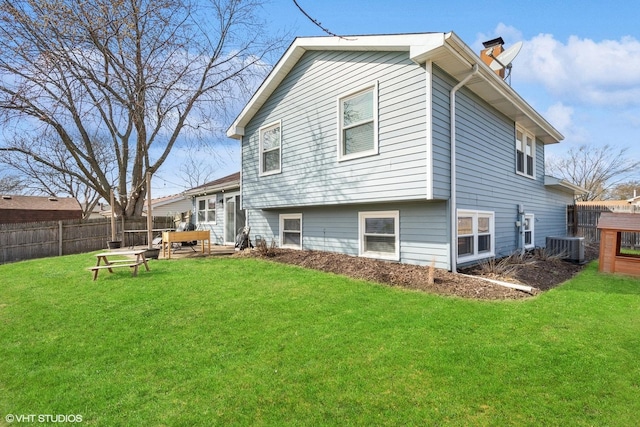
x=130, y=262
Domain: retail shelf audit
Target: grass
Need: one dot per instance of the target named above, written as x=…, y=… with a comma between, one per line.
x=203, y=342
x=629, y=251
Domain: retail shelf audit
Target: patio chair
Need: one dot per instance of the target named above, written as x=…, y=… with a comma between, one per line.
x=184, y=226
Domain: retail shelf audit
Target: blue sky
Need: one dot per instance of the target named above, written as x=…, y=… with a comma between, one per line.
x=579, y=65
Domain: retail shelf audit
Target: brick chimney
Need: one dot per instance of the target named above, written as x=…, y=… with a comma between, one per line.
x=495, y=48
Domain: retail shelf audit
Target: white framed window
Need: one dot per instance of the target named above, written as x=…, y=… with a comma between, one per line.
x=529, y=236
x=525, y=153
x=379, y=234
x=271, y=149
x=358, y=123
x=206, y=209
x=476, y=236
x=291, y=231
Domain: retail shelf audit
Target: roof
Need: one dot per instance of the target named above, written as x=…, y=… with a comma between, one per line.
x=563, y=185
x=39, y=203
x=155, y=203
x=161, y=201
x=445, y=49
x=619, y=221
x=225, y=183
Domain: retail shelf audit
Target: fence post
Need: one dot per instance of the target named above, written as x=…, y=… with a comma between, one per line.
x=59, y=237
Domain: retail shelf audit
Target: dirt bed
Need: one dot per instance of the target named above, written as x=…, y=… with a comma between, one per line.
x=537, y=272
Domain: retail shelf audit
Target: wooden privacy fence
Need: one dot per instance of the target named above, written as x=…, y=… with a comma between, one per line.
x=582, y=220
x=44, y=239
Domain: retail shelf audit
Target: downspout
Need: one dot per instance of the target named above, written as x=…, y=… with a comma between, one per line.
x=452, y=203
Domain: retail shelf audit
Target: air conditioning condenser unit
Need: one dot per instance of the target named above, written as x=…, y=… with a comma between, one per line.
x=569, y=248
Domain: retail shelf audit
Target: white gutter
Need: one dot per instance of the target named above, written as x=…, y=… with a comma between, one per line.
x=452, y=201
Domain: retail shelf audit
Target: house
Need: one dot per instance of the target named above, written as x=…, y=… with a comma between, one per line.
x=216, y=207
x=405, y=148
x=173, y=206
x=18, y=209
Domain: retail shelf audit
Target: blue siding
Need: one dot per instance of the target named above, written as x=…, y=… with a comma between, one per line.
x=423, y=229
x=487, y=178
x=216, y=230
x=306, y=102
x=329, y=194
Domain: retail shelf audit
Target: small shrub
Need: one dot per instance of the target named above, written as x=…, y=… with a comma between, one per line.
x=544, y=254
x=264, y=249
x=504, y=266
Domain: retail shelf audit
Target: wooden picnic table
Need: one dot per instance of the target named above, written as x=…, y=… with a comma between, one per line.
x=130, y=262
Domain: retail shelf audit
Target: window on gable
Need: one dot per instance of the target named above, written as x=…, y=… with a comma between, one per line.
x=529, y=238
x=270, y=149
x=291, y=231
x=475, y=235
x=525, y=153
x=358, y=124
x=380, y=234
x=207, y=209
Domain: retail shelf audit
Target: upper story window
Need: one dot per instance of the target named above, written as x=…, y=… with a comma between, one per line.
x=270, y=149
x=525, y=153
x=358, y=123
x=207, y=209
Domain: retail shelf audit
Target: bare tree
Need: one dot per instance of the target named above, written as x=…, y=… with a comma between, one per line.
x=123, y=80
x=11, y=184
x=49, y=170
x=596, y=169
x=197, y=169
x=625, y=190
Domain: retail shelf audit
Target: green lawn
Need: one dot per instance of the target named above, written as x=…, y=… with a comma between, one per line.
x=235, y=341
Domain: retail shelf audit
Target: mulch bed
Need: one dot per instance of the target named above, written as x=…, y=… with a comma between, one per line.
x=540, y=274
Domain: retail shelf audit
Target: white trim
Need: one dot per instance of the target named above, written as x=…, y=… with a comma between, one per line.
x=492, y=232
x=527, y=136
x=282, y=217
x=532, y=222
x=236, y=199
x=207, y=210
x=429, y=128
x=362, y=216
x=373, y=87
x=263, y=129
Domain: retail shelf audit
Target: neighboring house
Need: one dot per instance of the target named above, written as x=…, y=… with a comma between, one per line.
x=399, y=147
x=174, y=206
x=17, y=209
x=216, y=207
x=97, y=211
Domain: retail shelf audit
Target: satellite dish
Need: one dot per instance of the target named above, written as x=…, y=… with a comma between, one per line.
x=505, y=59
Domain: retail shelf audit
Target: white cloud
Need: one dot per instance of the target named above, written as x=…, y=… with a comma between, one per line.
x=562, y=118
x=605, y=73
x=508, y=33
